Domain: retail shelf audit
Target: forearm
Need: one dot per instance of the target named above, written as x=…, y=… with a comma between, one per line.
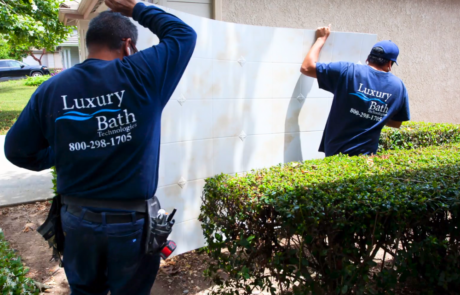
x=309, y=63
x=18, y=152
x=164, y=63
x=162, y=23
x=393, y=124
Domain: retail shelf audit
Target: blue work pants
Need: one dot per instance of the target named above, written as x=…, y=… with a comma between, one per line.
x=101, y=257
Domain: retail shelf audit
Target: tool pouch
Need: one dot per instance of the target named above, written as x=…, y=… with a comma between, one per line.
x=156, y=234
x=52, y=231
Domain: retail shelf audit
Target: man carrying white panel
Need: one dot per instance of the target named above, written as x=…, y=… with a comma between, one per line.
x=366, y=97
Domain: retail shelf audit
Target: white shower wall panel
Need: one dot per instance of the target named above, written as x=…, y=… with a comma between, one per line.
x=241, y=104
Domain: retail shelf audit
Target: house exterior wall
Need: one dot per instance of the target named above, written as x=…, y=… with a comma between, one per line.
x=47, y=59
x=30, y=61
x=425, y=30
x=52, y=60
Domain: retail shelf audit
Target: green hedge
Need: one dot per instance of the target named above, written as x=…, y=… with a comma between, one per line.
x=36, y=81
x=414, y=135
x=317, y=226
x=12, y=273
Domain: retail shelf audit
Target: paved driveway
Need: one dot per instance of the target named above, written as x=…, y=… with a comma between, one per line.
x=19, y=185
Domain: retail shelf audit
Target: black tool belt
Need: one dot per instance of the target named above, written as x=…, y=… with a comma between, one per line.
x=137, y=205
x=155, y=233
x=110, y=217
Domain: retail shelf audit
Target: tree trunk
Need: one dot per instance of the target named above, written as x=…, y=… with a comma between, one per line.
x=38, y=59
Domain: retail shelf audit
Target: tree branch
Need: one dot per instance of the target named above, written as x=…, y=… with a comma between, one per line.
x=39, y=60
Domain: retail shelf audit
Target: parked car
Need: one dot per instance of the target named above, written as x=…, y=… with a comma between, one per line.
x=13, y=69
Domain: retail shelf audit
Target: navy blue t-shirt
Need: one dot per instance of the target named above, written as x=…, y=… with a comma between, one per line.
x=99, y=121
x=364, y=100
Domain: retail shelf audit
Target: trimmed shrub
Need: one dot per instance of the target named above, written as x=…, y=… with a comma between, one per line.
x=414, y=135
x=316, y=227
x=12, y=273
x=36, y=81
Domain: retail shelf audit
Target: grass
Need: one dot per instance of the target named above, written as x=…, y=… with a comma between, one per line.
x=14, y=96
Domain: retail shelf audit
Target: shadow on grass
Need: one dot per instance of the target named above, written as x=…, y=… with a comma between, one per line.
x=7, y=119
x=15, y=87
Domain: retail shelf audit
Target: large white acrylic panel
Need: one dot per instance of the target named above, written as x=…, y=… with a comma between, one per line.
x=242, y=104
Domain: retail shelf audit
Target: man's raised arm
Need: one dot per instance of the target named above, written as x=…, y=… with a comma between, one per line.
x=166, y=62
x=309, y=64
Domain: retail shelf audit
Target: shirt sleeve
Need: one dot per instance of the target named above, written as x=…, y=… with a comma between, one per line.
x=25, y=143
x=328, y=74
x=163, y=64
x=404, y=113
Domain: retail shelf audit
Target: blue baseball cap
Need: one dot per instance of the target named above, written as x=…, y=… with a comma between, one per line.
x=387, y=50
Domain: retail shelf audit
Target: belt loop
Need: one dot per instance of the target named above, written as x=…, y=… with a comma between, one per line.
x=82, y=214
x=104, y=218
x=133, y=215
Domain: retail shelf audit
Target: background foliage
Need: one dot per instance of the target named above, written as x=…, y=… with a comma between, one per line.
x=317, y=226
x=5, y=50
x=414, y=135
x=12, y=272
x=36, y=81
x=31, y=24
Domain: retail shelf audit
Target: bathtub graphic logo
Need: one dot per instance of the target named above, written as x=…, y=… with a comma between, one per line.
x=77, y=116
x=365, y=98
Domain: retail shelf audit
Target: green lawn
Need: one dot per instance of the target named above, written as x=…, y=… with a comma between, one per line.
x=14, y=96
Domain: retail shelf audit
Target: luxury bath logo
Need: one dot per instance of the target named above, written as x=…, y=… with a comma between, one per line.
x=94, y=102
x=374, y=93
x=377, y=97
x=103, y=123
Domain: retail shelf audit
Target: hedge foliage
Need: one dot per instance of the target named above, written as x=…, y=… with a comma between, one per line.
x=12, y=273
x=414, y=135
x=316, y=227
x=36, y=81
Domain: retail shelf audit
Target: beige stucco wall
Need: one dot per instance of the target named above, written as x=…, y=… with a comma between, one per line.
x=427, y=32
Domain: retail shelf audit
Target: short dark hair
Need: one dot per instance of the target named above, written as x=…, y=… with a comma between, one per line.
x=108, y=29
x=376, y=60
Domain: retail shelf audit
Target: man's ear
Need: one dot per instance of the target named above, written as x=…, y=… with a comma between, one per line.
x=126, y=49
x=390, y=66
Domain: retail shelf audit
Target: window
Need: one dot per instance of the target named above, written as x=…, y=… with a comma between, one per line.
x=4, y=64
x=14, y=64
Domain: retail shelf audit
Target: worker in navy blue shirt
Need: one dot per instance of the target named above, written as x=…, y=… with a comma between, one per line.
x=366, y=97
x=98, y=123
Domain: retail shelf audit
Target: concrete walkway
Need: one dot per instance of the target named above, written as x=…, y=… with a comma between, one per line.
x=19, y=185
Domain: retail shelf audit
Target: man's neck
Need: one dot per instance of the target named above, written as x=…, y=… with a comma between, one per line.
x=105, y=54
x=380, y=69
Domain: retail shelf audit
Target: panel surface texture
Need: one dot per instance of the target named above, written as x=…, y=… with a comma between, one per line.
x=242, y=104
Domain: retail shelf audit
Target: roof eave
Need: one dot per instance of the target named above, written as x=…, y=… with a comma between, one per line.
x=81, y=12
